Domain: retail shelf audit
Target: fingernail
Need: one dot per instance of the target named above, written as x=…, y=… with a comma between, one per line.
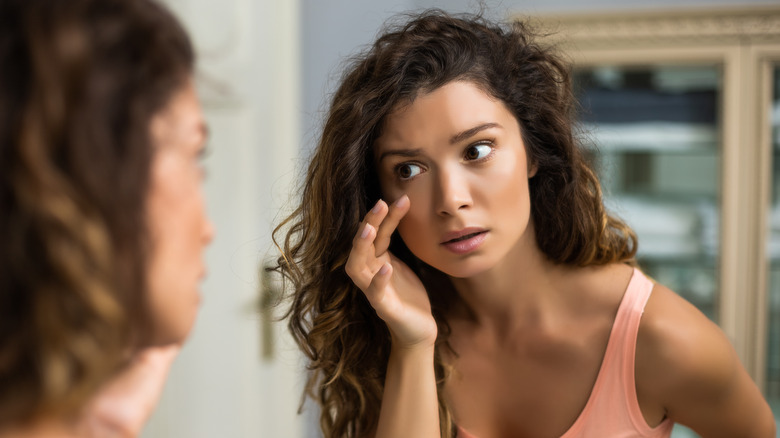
x=384, y=269
x=377, y=207
x=402, y=201
x=366, y=230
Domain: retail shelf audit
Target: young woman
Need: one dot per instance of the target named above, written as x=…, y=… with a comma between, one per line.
x=103, y=223
x=455, y=272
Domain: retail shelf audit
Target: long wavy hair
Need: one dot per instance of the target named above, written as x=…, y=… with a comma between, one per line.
x=347, y=345
x=80, y=81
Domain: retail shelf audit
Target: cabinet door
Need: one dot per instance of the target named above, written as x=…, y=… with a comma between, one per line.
x=653, y=135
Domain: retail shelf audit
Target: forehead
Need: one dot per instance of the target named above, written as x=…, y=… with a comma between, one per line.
x=181, y=116
x=453, y=107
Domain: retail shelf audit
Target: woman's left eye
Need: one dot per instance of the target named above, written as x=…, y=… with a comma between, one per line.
x=478, y=151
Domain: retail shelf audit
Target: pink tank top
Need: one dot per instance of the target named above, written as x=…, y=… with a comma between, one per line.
x=612, y=410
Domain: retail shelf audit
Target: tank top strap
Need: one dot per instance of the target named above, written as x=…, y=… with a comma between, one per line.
x=613, y=409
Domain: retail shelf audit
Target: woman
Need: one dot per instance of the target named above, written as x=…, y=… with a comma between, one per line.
x=103, y=221
x=455, y=272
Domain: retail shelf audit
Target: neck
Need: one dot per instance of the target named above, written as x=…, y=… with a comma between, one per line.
x=521, y=288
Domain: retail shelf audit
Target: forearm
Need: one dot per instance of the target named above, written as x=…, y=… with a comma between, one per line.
x=410, y=404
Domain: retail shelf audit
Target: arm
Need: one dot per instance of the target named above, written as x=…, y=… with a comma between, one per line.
x=410, y=404
x=686, y=365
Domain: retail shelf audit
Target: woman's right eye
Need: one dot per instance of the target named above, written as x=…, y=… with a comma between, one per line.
x=407, y=171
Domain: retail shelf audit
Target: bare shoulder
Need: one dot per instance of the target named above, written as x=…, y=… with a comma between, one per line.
x=687, y=367
x=678, y=347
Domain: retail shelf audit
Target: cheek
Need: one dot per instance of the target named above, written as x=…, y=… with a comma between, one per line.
x=414, y=227
x=177, y=207
x=175, y=213
x=509, y=184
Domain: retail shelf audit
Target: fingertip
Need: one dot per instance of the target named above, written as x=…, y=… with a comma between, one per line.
x=402, y=202
x=378, y=206
x=366, y=231
x=385, y=269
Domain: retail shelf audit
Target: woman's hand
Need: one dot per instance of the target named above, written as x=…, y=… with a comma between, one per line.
x=395, y=292
x=122, y=407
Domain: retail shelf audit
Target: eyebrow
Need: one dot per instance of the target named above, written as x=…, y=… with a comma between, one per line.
x=409, y=153
x=455, y=139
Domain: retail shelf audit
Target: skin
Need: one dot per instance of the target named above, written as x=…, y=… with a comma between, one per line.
x=178, y=225
x=124, y=404
x=530, y=335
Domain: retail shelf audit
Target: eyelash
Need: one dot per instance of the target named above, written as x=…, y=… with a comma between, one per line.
x=489, y=143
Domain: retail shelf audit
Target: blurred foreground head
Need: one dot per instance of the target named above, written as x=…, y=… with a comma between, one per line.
x=82, y=85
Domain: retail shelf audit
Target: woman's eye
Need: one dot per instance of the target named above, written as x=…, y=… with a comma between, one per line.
x=478, y=151
x=408, y=171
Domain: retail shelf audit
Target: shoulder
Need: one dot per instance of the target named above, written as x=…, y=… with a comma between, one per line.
x=687, y=366
x=679, y=347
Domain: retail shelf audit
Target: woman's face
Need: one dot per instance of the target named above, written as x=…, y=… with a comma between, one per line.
x=459, y=156
x=177, y=221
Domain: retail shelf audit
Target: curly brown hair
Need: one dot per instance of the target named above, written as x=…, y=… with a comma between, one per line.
x=346, y=343
x=79, y=83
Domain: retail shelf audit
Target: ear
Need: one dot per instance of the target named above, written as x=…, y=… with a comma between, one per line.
x=532, y=168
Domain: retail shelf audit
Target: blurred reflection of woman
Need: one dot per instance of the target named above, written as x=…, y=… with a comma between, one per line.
x=455, y=272
x=103, y=223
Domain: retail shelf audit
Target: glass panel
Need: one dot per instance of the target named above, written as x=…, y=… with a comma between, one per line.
x=653, y=136
x=773, y=247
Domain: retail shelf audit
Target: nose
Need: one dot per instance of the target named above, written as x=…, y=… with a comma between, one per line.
x=208, y=230
x=453, y=193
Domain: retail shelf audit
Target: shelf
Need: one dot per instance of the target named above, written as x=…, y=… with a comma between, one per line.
x=674, y=230
x=652, y=137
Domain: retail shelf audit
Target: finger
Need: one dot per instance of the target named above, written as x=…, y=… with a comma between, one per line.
x=378, y=287
x=377, y=214
x=374, y=217
x=396, y=212
x=364, y=236
x=361, y=256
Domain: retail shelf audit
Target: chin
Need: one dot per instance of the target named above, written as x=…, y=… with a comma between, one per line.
x=172, y=338
x=174, y=333
x=467, y=268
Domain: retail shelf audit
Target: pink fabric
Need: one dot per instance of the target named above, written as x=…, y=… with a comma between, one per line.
x=612, y=411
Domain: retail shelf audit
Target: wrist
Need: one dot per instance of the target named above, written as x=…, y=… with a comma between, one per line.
x=418, y=349
x=422, y=341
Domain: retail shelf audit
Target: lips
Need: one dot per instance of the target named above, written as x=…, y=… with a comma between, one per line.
x=465, y=240
x=461, y=234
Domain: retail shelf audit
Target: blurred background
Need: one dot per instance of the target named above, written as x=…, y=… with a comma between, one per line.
x=680, y=115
